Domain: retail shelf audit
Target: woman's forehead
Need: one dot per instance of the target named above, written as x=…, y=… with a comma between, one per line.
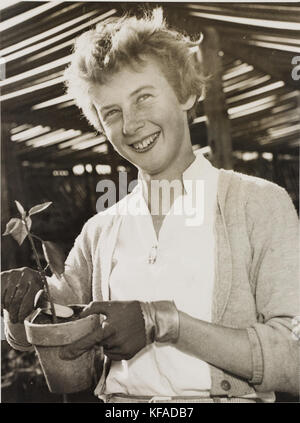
x=130, y=78
x=145, y=67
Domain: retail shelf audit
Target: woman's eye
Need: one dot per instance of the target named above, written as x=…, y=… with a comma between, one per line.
x=111, y=113
x=143, y=97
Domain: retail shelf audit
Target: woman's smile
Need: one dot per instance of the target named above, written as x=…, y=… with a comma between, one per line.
x=145, y=144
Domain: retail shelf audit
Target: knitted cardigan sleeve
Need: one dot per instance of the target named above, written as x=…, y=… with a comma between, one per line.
x=274, y=236
x=75, y=286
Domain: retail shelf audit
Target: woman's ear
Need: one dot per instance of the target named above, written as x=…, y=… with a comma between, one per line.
x=189, y=103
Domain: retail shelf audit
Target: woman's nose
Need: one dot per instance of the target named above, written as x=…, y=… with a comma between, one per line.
x=132, y=122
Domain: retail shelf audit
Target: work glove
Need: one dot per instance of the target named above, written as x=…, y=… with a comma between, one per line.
x=129, y=326
x=18, y=290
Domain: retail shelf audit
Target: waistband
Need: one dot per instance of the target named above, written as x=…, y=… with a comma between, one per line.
x=122, y=398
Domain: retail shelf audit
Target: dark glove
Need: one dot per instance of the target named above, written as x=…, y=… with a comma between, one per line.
x=129, y=327
x=18, y=290
x=122, y=334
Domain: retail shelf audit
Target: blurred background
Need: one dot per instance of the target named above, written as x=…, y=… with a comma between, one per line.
x=248, y=121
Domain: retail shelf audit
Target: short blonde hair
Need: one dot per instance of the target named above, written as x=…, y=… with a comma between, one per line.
x=103, y=51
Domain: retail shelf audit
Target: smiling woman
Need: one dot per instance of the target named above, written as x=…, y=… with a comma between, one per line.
x=121, y=42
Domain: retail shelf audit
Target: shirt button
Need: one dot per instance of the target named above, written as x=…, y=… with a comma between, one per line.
x=225, y=385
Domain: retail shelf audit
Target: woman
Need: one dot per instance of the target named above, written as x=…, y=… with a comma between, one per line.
x=198, y=291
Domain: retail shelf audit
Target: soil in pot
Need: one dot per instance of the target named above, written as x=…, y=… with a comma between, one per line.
x=45, y=319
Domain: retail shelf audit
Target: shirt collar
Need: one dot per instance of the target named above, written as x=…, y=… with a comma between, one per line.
x=199, y=169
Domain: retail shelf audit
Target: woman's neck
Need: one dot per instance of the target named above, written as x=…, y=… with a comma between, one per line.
x=168, y=182
x=172, y=173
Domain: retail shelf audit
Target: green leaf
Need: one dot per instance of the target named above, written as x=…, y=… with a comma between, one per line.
x=17, y=229
x=55, y=257
x=29, y=222
x=11, y=225
x=39, y=208
x=20, y=209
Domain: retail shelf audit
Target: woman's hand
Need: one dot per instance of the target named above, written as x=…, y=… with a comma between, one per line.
x=18, y=290
x=122, y=334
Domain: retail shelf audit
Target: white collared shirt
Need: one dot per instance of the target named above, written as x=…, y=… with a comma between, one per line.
x=182, y=270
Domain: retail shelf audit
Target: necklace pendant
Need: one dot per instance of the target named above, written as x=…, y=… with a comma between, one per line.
x=152, y=255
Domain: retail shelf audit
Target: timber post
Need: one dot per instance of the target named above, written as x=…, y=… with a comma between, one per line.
x=218, y=124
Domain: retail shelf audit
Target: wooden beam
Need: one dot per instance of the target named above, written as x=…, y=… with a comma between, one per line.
x=45, y=39
x=37, y=13
x=37, y=25
x=25, y=98
x=265, y=61
x=247, y=145
x=242, y=101
x=282, y=51
x=196, y=25
x=254, y=11
x=266, y=122
x=43, y=58
x=219, y=22
x=288, y=104
x=65, y=156
x=246, y=81
x=32, y=94
x=55, y=119
x=15, y=9
x=246, y=35
x=84, y=157
x=52, y=151
x=279, y=144
x=19, y=81
x=219, y=137
x=60, y=48
x=250, y=83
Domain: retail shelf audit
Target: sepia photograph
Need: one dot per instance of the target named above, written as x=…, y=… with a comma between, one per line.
x=150, y=204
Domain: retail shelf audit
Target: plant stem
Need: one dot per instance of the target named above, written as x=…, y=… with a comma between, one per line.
x=36, y=237
x=42, y=273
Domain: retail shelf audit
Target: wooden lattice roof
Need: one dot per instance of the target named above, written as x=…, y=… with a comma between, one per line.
x=258, y=43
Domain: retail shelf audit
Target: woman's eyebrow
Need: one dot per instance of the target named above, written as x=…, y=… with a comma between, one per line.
x=140, y=89
x=104, y=108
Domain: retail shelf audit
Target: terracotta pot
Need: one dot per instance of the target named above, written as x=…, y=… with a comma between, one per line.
x=63, y=376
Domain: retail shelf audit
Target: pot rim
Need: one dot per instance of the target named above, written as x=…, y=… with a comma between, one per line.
x=58, y=334
x=37, y=311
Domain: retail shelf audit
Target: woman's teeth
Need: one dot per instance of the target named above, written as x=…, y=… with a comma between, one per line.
x=141, y=145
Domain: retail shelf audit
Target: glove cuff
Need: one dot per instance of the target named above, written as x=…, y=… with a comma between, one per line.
x=161, y=321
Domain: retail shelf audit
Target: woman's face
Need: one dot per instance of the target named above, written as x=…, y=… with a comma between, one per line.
x=143, y=119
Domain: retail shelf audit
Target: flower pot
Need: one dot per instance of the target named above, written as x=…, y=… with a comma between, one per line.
x=63, y=376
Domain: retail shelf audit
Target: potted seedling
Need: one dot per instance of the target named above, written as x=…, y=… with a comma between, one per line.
x=50, y=327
